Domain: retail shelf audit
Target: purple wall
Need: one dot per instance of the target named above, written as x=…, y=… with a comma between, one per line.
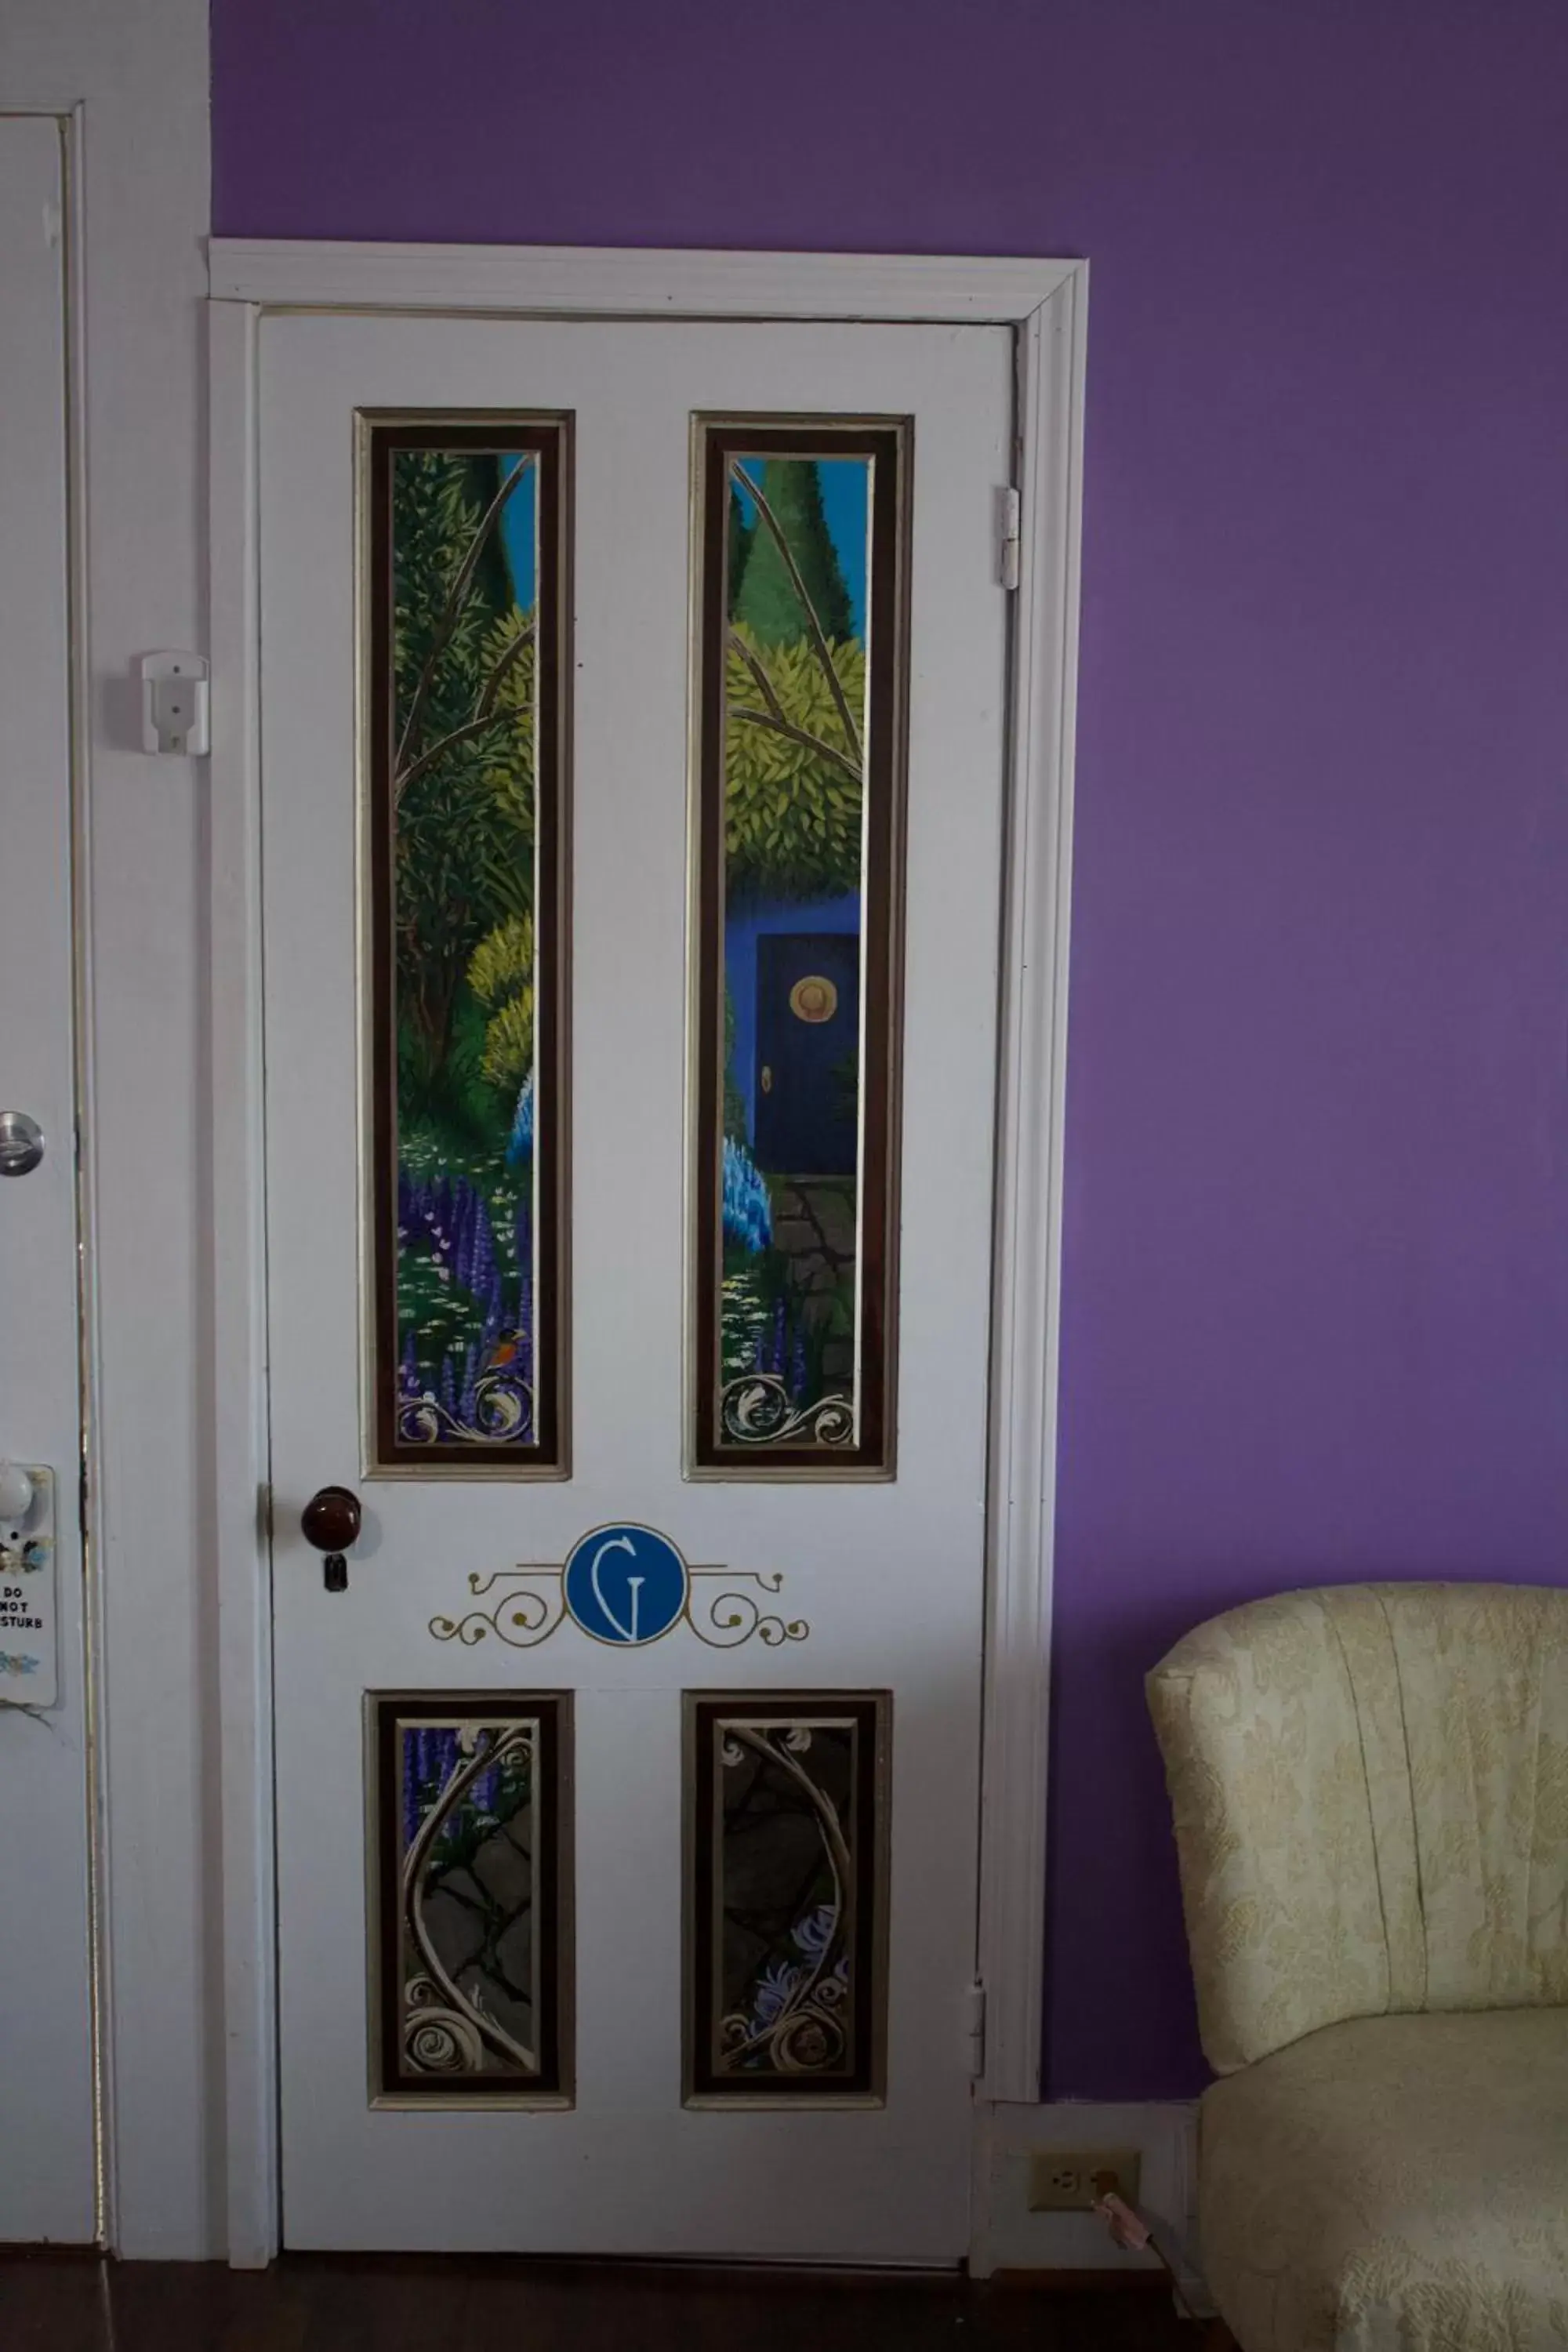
x=1316, y=1302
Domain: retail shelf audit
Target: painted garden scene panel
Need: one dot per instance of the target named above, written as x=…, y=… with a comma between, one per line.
x=472, y=1912
x=787, y=1883
x=465, y=843
x=803, y=657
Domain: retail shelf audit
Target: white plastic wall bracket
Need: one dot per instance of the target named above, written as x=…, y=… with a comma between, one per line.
x=174, y=704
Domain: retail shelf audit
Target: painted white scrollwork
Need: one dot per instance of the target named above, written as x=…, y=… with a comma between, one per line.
x=445, y=2032
x=796, y=2023
x=756, y=1410
x=503, y=1412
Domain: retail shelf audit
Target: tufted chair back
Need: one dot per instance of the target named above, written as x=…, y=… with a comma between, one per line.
x=1370, y=1786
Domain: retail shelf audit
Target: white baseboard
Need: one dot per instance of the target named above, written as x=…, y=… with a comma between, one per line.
x=1006, y=2236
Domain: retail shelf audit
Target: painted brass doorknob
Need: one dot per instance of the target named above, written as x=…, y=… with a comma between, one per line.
x=331, y=1522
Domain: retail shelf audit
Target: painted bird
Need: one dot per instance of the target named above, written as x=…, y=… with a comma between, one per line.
x=505, y=1351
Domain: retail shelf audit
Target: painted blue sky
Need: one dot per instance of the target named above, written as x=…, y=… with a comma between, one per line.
x=518, y=527
x=844, y=484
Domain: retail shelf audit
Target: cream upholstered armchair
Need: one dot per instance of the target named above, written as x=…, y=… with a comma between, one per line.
x=1369, y=1787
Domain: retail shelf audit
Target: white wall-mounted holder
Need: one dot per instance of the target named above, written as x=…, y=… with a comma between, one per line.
x=174, y=704
x=29, y=1670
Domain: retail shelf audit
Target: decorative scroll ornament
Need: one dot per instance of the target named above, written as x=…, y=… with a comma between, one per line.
x=756, y=1410
x=502, y=1414
x=437, y=2039
x=795, y=2023
x=445, y=2031
x=628, y=1586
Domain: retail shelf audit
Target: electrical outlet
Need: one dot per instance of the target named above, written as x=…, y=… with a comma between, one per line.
x=1062, y=2180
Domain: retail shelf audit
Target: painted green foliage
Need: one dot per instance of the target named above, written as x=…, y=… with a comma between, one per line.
x=795, y=681
x=793, y=800
x=463, y=788
x=792, y=765
x=464, y=692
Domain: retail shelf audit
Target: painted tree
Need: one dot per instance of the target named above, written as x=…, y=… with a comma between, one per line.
x=462, y=784
x=791, y=785
x=502, y=975
x=793, y=757
x=764, y=596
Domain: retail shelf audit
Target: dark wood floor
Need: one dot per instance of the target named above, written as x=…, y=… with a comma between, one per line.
x=339, y=2303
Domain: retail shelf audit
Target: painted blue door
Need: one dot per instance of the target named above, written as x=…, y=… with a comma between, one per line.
x=808, y=1037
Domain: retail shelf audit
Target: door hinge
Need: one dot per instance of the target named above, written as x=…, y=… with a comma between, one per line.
x=1008, y=516
x=974, y=2028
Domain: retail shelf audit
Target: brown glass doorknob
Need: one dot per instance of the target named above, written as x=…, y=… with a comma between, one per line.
x=331, y=1521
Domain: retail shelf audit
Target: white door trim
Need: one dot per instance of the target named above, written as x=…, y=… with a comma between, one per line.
x=1045, y=302
x=621, y=281
x=82, y=1659
x=137, y=212
x=243, y=1551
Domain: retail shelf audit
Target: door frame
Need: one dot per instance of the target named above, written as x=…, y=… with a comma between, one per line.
x=82, y=1687
x=1045, y=303
x=134, y=113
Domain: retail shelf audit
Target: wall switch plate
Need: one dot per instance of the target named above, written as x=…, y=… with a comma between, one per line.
x=1062, y=2180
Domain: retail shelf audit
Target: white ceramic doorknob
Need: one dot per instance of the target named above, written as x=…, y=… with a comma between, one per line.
x=16, y=1493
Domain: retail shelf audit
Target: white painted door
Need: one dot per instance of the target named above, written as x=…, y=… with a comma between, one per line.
x=46, y=2079
x=684, y=1979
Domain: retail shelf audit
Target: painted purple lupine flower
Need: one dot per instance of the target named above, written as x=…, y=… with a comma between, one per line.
x=774, y=1988
x=482, y=1268
x=443, y=1757
x=814, y=1933
x=451, y=1222
x=523, y=1236
x=411, y=1786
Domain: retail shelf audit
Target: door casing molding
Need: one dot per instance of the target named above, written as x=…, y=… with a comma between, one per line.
x=135, y=113
x=1045, y=303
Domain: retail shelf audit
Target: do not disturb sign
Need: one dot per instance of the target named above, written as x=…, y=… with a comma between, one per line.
x=28, y=1670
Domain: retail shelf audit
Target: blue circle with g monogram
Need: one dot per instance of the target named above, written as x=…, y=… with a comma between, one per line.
x=624, y=1585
